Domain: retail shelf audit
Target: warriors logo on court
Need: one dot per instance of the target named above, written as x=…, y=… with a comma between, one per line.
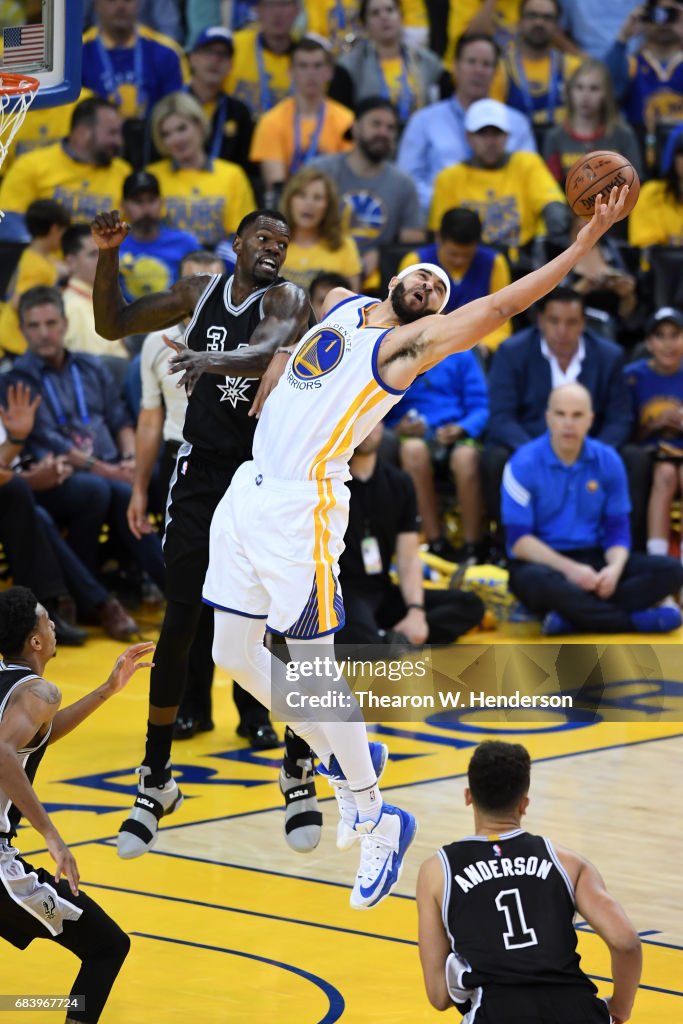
x=320, y=355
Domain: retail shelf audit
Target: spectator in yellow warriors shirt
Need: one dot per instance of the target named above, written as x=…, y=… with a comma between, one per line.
x=317, y=242
x=657, y=217
x=207, y=197
x=304, y=126
x=259, y=75
x=39, y=263
x=515, y=194
x=497, y=18
x=474, y=269
x=83, y=172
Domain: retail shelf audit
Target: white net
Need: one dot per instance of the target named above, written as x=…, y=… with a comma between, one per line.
x=17, y=93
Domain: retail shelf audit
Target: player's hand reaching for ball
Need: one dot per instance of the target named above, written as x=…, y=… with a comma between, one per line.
x=108, y=230
x=608, y=210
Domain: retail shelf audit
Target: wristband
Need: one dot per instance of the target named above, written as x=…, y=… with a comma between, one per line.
x=128, y=458
x=89, y=463
x=420, y=607
x=16, y=440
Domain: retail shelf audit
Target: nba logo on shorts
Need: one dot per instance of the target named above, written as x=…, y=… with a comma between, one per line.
x=320, y=355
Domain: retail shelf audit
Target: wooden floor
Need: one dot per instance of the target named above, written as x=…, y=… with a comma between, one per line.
x=228, y=925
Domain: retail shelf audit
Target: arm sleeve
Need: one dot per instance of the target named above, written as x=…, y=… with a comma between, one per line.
x=504, y=427
x=151, y=389
x=475, y=398
x=46, y=437
x=617, y=415
x=115, y=415
x=517, y=501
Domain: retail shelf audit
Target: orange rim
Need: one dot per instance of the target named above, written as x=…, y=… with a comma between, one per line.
x=17, y=85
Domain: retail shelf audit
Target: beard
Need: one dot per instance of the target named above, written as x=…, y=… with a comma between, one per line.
x=401, y=309
x=374, y=152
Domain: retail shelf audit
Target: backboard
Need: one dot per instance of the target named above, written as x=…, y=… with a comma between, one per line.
x=42, y=38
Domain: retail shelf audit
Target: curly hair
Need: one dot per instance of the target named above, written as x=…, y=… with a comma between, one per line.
x=330, y=227
x=499, y=775
x=17, y=619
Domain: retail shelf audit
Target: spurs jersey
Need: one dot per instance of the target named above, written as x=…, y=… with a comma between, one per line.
x=508, y=910
x=30, y=757
x=328, y=400
x=216, y=422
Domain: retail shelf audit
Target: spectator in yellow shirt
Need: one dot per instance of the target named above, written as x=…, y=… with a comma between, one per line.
x=317, y=242
x=515, y=194
x=305, y=125
x=207, y=197
x=657, y=217
x=39, y=263
x=259, y=76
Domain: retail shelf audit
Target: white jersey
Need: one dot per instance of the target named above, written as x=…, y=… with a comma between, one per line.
x=328, y=400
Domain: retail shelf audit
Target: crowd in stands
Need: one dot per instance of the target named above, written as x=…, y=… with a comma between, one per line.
x=389, y=132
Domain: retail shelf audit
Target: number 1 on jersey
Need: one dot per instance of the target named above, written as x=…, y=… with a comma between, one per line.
x=518, y=934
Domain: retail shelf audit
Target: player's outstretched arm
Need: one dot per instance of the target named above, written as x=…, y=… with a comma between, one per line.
x=432, y=938
x=126, y=665
x=464, y=327
x=114, y=317
x=607, y=917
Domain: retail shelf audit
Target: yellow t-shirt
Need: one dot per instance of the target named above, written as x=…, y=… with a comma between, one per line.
x=81, y=335
x=500, y=277
x=209, y=203
x=656, y=219
x=536, y=75
x=42, y=128
x=32, y=269
x=509, y=200
x=274, y=134
x=50, y=173
x=304, y=262
x=336, y=20
x=461, y=13
x=244, y=82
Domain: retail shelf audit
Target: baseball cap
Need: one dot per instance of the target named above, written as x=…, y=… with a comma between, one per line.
x=140, y=181
x=663, y=314
x=487, y=114
x=214, y=34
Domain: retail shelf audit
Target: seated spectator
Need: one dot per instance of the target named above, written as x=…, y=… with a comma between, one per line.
x=383, y=523
x=441, y=420
x=317, y=241
x=161, y=15
x=379, y=202
x=35, y=551
x=206, y=197
x=435, y=137
x=338, y=21
x=382, y=63
x=320, y=286
x=526, y=368
x=565, y=509
x=39, y=263
x=474, y=269
x=127, y=63
x=657, y=217
x=649, y=82
x=592, y=122
x=210, y=60
x=82, y=420
x=514, y=193
x=303, y=126
x=80, y=254
x=537, y=72
x=656, y=388
x=151, y=252
x=497, y=19
x=83, y=172
x=594, y=36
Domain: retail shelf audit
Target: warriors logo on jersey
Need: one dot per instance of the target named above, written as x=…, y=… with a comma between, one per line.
x=319, y=355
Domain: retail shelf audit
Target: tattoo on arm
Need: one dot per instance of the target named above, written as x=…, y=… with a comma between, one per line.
x=45, y=691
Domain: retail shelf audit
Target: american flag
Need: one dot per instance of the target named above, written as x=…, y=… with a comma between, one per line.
x=23, y=46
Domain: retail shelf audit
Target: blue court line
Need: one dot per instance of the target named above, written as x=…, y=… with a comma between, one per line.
x=402, y=785
x=334, y=997
x=251, y=913
x=645, y=988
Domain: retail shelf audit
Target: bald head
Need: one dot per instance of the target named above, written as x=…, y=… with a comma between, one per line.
x=569, y=417
x=571, y=392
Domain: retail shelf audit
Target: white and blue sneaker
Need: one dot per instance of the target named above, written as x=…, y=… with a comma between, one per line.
x=383, y=845
x=346, y=802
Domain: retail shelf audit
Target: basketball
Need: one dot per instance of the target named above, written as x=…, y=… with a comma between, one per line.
x=596, y=173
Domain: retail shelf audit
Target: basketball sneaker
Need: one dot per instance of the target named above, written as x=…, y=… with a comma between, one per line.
x=383, y=845
x=158, y=795
x=346, y=801
x=303, y=820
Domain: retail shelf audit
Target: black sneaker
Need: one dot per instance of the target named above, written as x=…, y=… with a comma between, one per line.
x=443, y=549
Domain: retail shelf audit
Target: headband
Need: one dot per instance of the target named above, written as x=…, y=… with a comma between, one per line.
x=433, y=269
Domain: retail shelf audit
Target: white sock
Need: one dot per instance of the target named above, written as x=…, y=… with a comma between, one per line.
x=658, y=546
x=369, y=803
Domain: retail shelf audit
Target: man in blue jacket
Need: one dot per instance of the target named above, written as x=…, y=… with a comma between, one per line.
x=526, y=368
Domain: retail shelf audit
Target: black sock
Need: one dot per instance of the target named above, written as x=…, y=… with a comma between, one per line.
x=296, y=749
x=158, y=748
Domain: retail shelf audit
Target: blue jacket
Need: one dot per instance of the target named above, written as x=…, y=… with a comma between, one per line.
x=453, y=391
x=520, y=382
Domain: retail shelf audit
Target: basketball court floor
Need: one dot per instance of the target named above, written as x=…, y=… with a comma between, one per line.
x=229, y=925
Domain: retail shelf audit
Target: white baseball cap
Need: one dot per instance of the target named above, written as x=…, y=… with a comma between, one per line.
x=487, y=114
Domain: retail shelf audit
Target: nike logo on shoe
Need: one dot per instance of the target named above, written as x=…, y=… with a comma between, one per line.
x=380, y=878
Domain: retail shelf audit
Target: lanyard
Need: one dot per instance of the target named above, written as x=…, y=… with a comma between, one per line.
x=300, y=159
x=340, y=14
x=110, y=86
x=56, y=402
x=220, y=117
x=265, y=93
x=553, y=85
x=406, y=96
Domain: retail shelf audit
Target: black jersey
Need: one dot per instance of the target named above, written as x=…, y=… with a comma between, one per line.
x=509, y=911
x=30, y=757
x=216, y=421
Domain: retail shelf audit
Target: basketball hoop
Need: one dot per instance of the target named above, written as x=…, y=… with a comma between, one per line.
x=17, y=93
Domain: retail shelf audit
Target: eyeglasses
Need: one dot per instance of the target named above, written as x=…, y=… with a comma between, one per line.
x=537, y=16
